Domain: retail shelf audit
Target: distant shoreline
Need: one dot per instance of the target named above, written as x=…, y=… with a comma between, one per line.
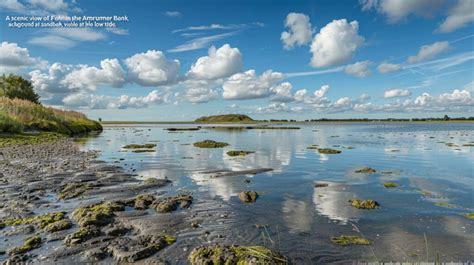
x=289, y=122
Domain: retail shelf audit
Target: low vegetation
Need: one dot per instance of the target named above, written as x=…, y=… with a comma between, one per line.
x=239, y=153
x=23, y=139
x=228, y=118
x=350, y=240
x=139, y=146
x=364, y=204
x=29, y=244
x=248, y=196
x=242, y=255
x=210, y=144
x=390, y=184
x=366, y=170
x=328, y=151
x=469, y=215
x=41, y=221
x=19, y=115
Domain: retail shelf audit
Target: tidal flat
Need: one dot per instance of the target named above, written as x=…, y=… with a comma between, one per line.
x=89, y=199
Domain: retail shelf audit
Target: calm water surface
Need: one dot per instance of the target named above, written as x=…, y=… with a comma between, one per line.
x=409, y=226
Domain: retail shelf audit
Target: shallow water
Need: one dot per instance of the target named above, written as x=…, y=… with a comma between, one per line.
x=408, y=226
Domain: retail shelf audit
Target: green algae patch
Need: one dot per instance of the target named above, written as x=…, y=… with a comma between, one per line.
x=248, y=196
x=364, y=204
x=447, y=205
x=429, y=194
x=210, y=144
x=169, y=204
x=139, y=146
x=29, y=139
x=328, y=151
x=169, y=239
x=58, y=226
x=345, y=240
x=41, y=220
x=81, y=235
x=73, y=190
x=141, y=202
x=143, y=151
x=366, y=170
x=469, y=215
x=98, y=214
x=241, y=255
x=239, y=153
x=390, y=184
x=29, y=244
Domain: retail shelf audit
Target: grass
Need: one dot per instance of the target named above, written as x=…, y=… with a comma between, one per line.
x=17, y=116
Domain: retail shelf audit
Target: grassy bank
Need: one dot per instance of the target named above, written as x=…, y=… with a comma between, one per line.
x=18, y=116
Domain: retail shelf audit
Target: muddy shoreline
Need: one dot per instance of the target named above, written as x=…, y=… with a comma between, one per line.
x=60, y=204
x=57, y=177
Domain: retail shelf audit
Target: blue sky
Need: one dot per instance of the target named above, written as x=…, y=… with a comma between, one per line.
x=178, y=60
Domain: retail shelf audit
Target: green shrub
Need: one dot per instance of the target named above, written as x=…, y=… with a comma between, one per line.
x=14, y=86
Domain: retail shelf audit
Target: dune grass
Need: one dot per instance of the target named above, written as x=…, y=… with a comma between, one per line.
x=17, y=116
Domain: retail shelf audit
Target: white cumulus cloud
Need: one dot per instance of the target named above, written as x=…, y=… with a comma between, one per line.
x=110, y=73
x=299, y=30
x=152, y=68
x=13, y=58
x=335, y=43
x=248, y=85
x=219, y=63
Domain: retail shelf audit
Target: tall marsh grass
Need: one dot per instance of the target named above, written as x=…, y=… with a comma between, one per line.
x=17, y=115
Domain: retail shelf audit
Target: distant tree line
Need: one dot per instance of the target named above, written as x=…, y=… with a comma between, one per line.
x=445, y=118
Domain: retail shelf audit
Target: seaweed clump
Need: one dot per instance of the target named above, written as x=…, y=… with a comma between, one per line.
x=139, y=146
x=210, y=144
x=350, y=240
x=40, y=220
x=170, y=204
x=58, y=226
x=328, y=151
x=248, y=196
x=390, y=184
x=469, y=215
x=239, y=153
x=97, y=214
x=366, y=170
x=73, y=190
x=364, y=204
x=242, y=255
x=29, y=244
x=82, y=235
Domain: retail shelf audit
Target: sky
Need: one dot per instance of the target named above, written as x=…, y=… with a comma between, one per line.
x=179, y=60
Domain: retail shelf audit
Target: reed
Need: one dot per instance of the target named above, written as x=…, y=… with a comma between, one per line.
x=17, y=115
